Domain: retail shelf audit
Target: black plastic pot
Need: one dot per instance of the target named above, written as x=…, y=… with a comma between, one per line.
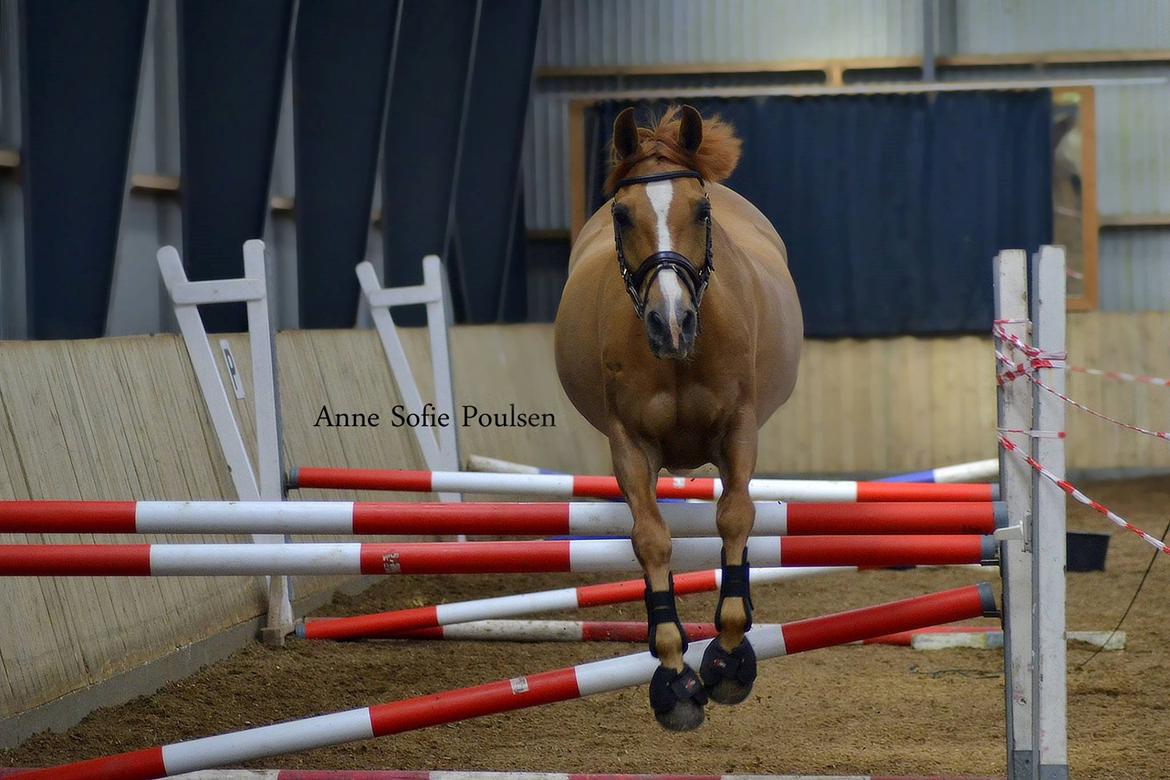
x=1086, y=551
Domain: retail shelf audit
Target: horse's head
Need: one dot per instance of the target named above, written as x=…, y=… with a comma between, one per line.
x=662, y=226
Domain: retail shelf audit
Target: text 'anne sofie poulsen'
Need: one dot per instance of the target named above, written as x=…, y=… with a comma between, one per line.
x=469, y=416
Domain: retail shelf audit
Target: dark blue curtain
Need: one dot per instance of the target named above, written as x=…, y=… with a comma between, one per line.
x=231, y=73
x=451, y=77
x=341, y=65
x=79, y=83
x=891, y=206
x=487, y=204
x=423, y=134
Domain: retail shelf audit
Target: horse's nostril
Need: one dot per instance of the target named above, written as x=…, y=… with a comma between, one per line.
x=655, y=321
x=688, y=321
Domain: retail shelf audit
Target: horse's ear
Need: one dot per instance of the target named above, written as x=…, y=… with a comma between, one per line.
x=690, y=129
x=625, y=134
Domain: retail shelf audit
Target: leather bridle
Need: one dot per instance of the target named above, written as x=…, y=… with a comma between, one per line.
x=696, y=279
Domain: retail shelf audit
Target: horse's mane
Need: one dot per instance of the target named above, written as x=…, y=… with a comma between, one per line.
x=714, y=161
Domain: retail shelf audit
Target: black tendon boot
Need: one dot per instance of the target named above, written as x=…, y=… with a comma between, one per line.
x=728, y=677
x=677, y=698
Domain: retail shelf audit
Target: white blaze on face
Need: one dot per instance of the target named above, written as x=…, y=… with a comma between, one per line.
x=672, y=296
x=660, y=194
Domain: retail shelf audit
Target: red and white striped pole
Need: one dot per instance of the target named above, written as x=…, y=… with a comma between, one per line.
x=580, y=518
x=637, y=631
x=549, y=631
x=518, y=693
x=906, y=638
x=573, y=555
x=382, y=624
x=570, y=486
x=971, y=471
x=443, y=774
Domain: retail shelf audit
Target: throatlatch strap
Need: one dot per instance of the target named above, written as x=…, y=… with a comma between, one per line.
x=661, y=608
x=735, y=584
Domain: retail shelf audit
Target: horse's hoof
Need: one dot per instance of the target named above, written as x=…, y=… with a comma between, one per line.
x=728, y=677
x=677, y=699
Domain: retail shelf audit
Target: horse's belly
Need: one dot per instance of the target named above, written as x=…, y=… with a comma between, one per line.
x=687, y=426
x=577, y=348
x=684, y=453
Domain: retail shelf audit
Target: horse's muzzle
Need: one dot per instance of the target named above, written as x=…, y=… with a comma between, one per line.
x=671, y=338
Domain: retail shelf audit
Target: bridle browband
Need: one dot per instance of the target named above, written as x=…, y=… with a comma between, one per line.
x=695, y=279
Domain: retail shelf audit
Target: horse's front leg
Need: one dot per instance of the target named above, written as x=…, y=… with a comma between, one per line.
x=676, y=695
x=729, y=663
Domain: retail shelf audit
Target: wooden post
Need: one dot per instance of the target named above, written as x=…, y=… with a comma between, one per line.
x=1015, y=480
x=1049, y=679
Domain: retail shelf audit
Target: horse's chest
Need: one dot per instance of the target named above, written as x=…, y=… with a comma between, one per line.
x=693, y=412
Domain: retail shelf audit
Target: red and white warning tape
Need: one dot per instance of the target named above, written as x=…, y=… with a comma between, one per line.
x=1001, y=333
x=1011, y=370
x=1040, y=359
x=1121, y=376
x=1037, y=359
x=1116, y=376
x=1015, y=370
x=1113, y=517
x=1130, y=426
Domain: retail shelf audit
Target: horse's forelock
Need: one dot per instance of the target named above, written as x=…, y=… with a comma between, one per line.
x=715, y=159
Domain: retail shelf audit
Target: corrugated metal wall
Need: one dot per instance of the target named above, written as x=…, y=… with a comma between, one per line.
x=1011, y=26
x=1133, y=177
x=1135, y=270
x=1133, y=149
x=593, y=33
x=1133, y=121
x=579, y=33
x=1133, y=132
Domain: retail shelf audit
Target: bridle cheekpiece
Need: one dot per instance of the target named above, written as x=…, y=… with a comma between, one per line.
x=695, y=279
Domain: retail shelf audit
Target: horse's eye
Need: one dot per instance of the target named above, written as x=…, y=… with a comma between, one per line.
x=621, y=215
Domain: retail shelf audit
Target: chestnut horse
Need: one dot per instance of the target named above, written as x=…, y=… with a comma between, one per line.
x=679, y=364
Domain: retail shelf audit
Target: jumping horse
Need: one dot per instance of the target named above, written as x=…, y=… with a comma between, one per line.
x=679, y=364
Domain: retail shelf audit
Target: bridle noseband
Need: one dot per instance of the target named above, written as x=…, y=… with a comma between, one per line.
x=695, y=279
